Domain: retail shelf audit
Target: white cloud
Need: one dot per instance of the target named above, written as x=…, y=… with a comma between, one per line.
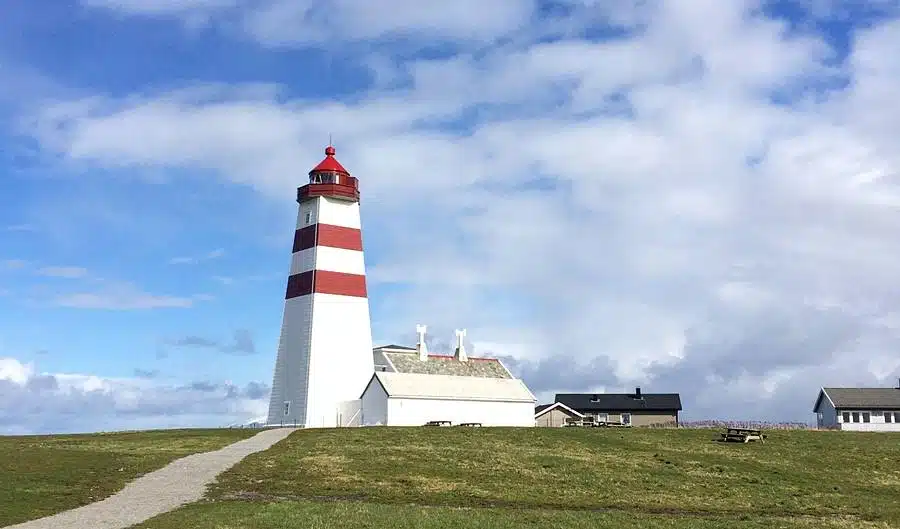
x=15, y=371
x=161, y=7
x=123, y=296
x=101, y=293
x=21, y=227
x=671, y=207
x=36, y=402
x=305, y=22
x=68, y=272
x=215, y=254
x=15, y=264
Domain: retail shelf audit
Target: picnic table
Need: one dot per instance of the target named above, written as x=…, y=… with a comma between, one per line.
x=742, y=435
x=438, y=423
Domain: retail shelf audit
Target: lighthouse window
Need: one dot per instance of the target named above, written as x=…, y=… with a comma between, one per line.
x=323, y=178
x=287, y=407
x=308, y=218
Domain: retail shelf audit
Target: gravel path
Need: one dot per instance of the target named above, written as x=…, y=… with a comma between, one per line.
x=181, y=481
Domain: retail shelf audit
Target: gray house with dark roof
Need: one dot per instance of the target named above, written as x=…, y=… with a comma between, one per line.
x=859, y=409
x=631, y=409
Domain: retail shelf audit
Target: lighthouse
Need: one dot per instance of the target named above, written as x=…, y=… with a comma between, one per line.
x=325, y=350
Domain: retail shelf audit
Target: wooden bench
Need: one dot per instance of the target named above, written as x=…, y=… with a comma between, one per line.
x=470, y=424
x=742, y=435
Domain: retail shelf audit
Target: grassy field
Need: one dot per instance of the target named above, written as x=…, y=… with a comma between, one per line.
x=554, y=477
x=43, y=475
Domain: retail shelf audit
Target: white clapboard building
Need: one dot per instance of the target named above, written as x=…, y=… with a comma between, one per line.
x=411, y=388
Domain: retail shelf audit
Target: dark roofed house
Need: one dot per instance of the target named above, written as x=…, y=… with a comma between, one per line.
x=859, y=409
x=631, y=409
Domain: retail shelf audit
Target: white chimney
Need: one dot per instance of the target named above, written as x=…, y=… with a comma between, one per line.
x=421, y=346
x=460, y=346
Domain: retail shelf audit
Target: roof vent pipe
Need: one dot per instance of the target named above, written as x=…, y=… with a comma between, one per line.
x=637, y=392
x=421, y=346
x=461, y=346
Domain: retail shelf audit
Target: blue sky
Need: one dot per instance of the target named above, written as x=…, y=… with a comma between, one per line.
x=688, y=196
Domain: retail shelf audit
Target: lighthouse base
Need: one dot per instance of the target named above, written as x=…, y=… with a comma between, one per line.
x=324, y=360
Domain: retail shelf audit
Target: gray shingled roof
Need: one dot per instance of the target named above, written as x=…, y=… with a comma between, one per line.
x=863, y=397
x=447, y=365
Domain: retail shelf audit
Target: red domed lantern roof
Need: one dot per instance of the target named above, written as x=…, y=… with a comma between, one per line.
x=330, y=163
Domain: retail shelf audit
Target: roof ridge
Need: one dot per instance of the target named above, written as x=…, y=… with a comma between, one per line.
x=867, y=388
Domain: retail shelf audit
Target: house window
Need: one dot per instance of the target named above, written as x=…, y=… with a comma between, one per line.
x=846, y=415
x=897, y=416
x=287, y=408
x=626, y=418
x=603, y=417
x=888, y=416
x=855, y=416
x=866, y=416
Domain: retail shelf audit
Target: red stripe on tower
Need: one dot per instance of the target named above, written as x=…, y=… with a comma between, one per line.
x=327, y=235
x=326, y=282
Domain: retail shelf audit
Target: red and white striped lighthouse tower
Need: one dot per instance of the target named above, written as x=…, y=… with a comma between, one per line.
x=325, y=350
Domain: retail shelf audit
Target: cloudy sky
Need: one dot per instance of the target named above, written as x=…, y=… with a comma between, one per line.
x=693, y=196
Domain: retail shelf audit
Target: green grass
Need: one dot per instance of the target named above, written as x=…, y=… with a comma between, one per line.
x=555, y=477
x=308, y=514
x=43, y=475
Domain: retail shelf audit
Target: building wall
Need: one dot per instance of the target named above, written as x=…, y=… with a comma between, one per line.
x=350, y=413
x=374, y=406
x=417, y=412
x=332, y=211
x=553, y=418
x=291, y=376
x=653, y=418
x=638, y=418
x=826, y=416
x=870, y=427
x=341, y=361
x=876, y=421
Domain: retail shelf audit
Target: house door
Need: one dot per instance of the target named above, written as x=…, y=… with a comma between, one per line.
x=626, y=419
